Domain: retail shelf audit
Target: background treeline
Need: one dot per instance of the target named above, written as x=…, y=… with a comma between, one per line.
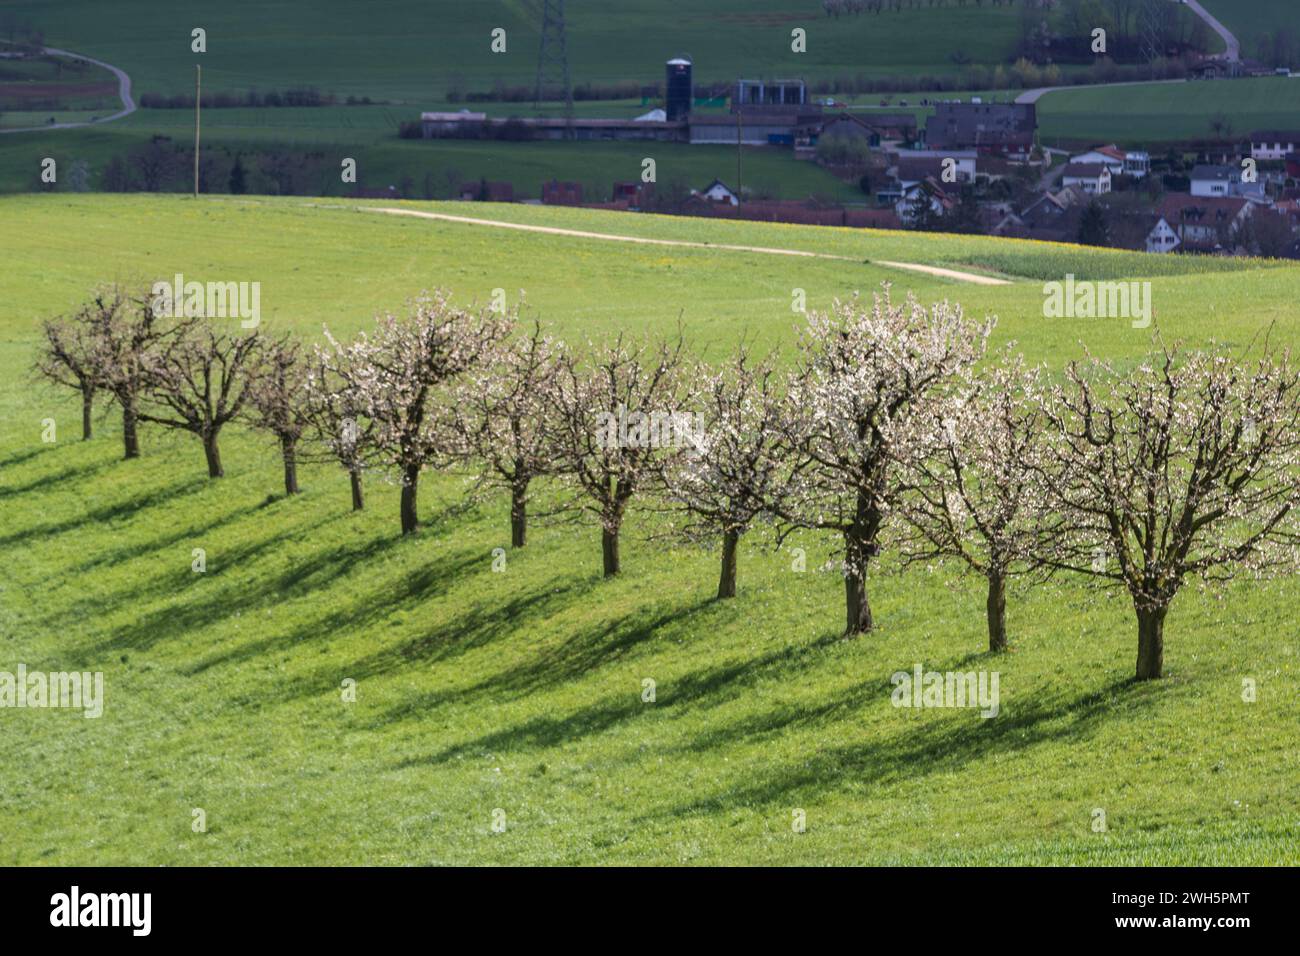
x=889, y=428
x=307, y=96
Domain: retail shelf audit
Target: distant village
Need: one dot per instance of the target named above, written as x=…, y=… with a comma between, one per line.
x=974, y=167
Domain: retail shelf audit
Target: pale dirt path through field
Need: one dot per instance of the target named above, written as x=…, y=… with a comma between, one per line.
x=938, y=271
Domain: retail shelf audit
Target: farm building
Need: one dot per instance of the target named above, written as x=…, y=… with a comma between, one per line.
x=1005, y=128
x=875, y=128
x=755, y=126
x=556, y=193
x=773, y=93
x=439, y=125
x=485, y=191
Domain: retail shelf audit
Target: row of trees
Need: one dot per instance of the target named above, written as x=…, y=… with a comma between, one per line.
x=890, y=427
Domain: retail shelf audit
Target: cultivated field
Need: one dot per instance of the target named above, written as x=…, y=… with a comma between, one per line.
x=521, y=690
x=1168, y=111
x=414, y=51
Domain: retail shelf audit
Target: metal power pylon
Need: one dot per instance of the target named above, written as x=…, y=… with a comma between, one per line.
x=553, y=56
x=1151, y=29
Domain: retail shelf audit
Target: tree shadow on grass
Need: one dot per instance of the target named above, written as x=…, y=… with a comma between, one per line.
x=468, y=630
x=193, y=601
x=155, y=546
x=925, y=744
x=25, y=456
x=584, y=652
x=710, y=684
x=107, y=513
x=383, y=601
x=45, y=482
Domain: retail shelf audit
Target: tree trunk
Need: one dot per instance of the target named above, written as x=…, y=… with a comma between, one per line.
x=857, y=553
x=288, y=448
x=609, y=548
x=856, y=604
x=519, y=513
x=87, y=406
x=727, y=580
x=1151, y=642
x=997, y=611
x=213, y=455
x=130, y=433
x=358, y=499
x=410, y=497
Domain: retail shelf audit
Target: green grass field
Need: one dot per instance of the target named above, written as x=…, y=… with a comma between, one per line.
x=521, y=691
x=414, y=50
x=368, y=134
x=415, y=53
x=1253, y=19
x=1168, y=111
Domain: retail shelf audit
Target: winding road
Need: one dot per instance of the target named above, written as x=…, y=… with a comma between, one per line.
x=123, y=90
x=1232, y=55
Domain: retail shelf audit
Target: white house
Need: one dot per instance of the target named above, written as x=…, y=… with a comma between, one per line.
x=1133, y=162
x=1112, y=157
x=914, y=198
x=1218, y=181
x=718, y=191
x=1273, y=144
x=1212, y=181
x=1162, y=237
x=1137, y=163
x=1092, y=178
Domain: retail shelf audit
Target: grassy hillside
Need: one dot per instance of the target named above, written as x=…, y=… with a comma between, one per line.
x=521, y=690
x=1253, y=20
x=1168, y=111
x=368, y=134
x=414, y=50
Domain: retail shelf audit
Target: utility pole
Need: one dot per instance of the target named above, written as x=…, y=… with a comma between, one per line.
x=198, y=97
x=738, y=139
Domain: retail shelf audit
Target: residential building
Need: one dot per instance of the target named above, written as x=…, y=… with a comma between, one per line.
x=1270, y=144
x=1211, y=181
x=1205, y=223
x=1162, y=237
x=915, y=164
x=1092, y=178
x=718, y=191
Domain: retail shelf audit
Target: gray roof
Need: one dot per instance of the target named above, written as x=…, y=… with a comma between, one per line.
x=1216, y=173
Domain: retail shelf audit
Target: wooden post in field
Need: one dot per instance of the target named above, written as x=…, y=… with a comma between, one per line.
x=198, y=93
x=738, y=138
